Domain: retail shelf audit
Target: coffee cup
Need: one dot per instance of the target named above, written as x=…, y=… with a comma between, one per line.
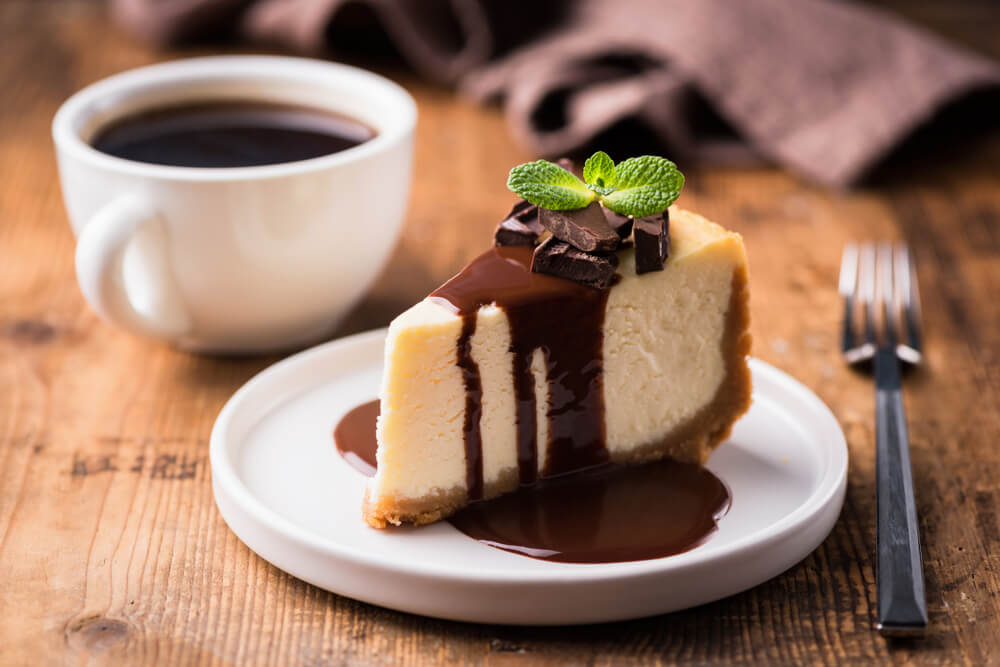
x=235, y=259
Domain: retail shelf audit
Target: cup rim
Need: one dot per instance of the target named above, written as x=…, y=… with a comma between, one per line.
x=67, y=138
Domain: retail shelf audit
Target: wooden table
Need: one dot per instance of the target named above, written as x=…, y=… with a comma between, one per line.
x=112, y=551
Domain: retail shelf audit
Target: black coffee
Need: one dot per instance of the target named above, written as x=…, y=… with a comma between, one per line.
x=229, y=134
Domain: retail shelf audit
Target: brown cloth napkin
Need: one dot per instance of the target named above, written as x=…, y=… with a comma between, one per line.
x=825, y=88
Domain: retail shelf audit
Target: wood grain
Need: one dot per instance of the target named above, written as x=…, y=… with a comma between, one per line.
x=112, y=552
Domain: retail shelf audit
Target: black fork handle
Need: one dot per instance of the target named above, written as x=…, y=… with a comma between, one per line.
x=847, y=340
x=902, y=604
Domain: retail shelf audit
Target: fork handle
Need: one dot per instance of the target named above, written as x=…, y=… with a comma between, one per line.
x=902, y=606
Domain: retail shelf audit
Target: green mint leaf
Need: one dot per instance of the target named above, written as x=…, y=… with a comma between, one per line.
x=646, y=185
x=548, y=185
x=599, y=173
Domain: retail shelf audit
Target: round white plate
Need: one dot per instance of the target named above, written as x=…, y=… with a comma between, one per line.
x=285, y=491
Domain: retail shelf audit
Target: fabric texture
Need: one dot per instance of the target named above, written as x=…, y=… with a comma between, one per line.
x=825, y=88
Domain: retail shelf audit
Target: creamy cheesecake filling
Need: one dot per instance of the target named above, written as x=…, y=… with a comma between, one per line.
x=671, y=344
x=663, y=353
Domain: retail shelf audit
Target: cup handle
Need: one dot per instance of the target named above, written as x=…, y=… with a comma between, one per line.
x=100, y=269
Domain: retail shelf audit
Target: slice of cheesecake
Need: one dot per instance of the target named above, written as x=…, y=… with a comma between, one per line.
x=504, y=375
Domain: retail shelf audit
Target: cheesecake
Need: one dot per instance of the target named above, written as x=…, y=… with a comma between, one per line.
x=583, y=338
x=504, y=376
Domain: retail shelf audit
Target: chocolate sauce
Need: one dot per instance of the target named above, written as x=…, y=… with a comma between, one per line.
x=473, y=410
x=602, y=515
x=565, y=321
x=354, y=436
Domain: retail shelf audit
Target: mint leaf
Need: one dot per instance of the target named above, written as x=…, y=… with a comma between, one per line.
x=548, y=185
x=646, y=185
x=639, y=186
x=599, y=173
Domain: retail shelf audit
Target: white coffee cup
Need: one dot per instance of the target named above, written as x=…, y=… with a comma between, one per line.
x=240, y=259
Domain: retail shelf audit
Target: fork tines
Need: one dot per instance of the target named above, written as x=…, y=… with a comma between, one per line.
x=879, y=281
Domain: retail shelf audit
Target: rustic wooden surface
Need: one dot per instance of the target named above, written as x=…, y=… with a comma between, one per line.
x=112, y=551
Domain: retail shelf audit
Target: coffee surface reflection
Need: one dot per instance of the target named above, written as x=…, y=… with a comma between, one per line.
x=229, y=134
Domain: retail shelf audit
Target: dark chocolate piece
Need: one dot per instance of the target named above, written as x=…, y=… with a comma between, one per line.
x=511, y=232
x=622, y=224
x=567, y=164
x=583, y=228
x=520, y=227
x=652, y=242
x=558, y=258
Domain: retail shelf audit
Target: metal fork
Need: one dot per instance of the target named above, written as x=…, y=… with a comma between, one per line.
x=881, y=281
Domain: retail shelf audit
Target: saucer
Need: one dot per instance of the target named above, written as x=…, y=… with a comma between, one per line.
x=287, y=494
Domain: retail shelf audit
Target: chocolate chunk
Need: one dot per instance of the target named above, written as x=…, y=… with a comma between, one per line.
x=520, y=227
x=652, y=242
x=622, y=224
x=523, y=209
x=558, y=258
x=511, y=232
x=583, y=228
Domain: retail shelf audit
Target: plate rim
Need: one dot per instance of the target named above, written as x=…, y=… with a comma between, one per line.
x=226, y=479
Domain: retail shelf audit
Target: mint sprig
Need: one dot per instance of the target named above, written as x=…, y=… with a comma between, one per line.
x=646, y=185
x=599, y=173
x=639, y=186
x=548, y=185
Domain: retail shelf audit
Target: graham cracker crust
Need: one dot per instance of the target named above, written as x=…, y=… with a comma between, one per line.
x=691, y=442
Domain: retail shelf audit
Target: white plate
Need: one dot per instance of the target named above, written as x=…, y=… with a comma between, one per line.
x=285, y=491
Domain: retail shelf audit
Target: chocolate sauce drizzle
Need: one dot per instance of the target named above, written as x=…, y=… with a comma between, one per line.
x=565, y=321
x=473, y=410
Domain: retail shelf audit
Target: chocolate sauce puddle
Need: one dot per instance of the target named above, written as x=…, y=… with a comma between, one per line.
x=354, y=436
x=565, y=321
x=602, y=515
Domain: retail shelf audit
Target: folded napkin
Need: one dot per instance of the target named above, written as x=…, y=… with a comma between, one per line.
x=825, y=88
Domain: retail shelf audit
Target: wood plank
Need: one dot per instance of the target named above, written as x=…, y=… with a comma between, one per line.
x=111, y=550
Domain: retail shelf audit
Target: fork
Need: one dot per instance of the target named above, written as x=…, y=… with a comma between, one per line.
x=881, y=281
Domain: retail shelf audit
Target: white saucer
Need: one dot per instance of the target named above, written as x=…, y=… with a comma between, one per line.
x=285, y=491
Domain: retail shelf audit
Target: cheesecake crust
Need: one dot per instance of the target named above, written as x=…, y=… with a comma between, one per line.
x=392, y=510
x=692, y=441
